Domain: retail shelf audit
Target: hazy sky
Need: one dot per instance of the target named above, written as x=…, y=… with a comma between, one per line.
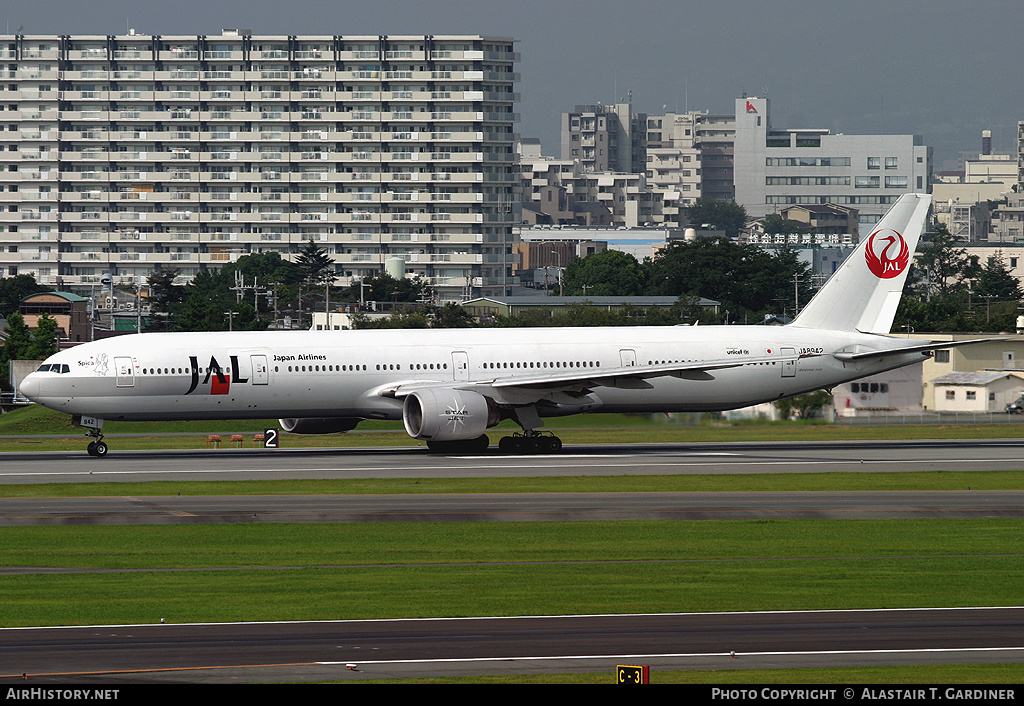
x=943, y=69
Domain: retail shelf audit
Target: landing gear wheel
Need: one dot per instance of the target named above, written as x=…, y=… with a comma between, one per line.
x=529, y=443
x=98, y=447
x=462, y=446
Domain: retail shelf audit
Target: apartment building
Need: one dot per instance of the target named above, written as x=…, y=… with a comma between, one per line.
x=564, y=192
x=691, y=154
x=605, y=138
x=125, y=154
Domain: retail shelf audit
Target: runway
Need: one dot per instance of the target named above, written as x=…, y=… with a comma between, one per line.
x=318, y=651
x=321, y=651
x=653, y=459
x=507, y=507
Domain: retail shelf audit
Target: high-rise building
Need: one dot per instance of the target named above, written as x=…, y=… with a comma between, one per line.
x=689, y=157
x=125, y=154
x=605, y=138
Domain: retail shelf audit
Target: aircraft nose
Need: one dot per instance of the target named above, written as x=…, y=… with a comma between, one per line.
x=29, y=387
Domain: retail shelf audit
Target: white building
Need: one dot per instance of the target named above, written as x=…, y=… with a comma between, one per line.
x=986, y=391
x=128, y=153
x=690, y=156
x=777, y=167
x=641, y=243
x=563, y=192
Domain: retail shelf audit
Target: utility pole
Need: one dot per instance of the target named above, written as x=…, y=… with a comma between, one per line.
x=988, y=306
x=559, y=270
x=327, y=305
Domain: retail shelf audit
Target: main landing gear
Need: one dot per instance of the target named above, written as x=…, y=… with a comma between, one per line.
x=530, y=442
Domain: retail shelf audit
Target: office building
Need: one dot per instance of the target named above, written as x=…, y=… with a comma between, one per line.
x=125, y=154
x=775, y=168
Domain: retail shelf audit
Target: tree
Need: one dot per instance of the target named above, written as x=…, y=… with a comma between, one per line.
x=746, y=279
x=16, y=347
x=727, y=216
x=400, y=319
x=774, y=223
x=611, y=273
x=806, y=406
x=316, y=265
x=210, y=295
x=165, y=297
x=995, y=280
x=44, y=339
x=14, y=289
x=451, y=315
x=942, y=267
x=385, y=288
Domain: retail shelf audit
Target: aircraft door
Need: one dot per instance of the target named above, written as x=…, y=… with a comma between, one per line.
x=460, y=365
x=125, y=372
x=260, y=372
x=627, y=357
x=789, y=365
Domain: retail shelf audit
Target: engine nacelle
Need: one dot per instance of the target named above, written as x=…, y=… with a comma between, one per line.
x=319, y=425
x=447, y=415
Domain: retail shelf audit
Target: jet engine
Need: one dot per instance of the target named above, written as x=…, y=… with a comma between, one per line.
x=447, y=415
x=319, y=425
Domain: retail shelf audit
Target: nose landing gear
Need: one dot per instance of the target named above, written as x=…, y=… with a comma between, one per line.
x=97, y=448
x=94, y=429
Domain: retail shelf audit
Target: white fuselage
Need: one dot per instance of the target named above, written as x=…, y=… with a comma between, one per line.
x=165, y=376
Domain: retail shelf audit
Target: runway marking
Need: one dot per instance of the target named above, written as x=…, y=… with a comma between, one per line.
x=817, y=611
x=107, y=672
x=652, y=655
x=485, y=660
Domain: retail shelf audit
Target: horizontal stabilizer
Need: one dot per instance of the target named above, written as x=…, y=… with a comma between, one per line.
x=861, y=354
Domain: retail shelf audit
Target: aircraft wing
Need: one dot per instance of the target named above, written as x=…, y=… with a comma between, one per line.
x=629, y=376
x=861, y=353
x=613, y=377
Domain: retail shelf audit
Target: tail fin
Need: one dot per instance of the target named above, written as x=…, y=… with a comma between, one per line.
x=863, y=294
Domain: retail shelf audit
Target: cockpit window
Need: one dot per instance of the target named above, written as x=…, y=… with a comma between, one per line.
x=54, y=368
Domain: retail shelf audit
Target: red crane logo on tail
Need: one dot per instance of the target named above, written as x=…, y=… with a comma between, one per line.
x=887, y=253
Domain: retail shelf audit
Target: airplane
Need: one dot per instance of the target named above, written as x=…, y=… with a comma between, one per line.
x=450, y=385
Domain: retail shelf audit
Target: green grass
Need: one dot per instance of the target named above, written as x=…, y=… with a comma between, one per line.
x=382, y=570
x=755, y=482
x=252, y=572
